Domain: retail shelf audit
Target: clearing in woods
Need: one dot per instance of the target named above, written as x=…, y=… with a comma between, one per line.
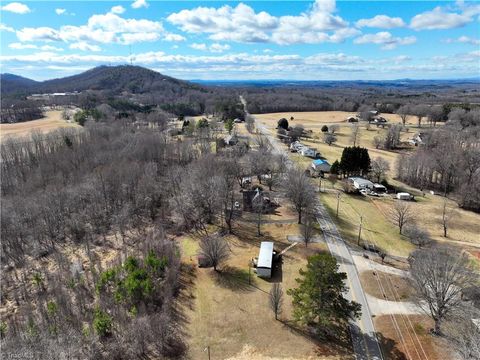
x=52, y=121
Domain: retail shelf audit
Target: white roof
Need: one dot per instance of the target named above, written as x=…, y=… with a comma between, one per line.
x=266, y=254
x=361, y=181
x=403, y=194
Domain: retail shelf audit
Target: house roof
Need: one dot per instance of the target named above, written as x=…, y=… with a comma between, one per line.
x=361, y=181
x=266, y=254
x=320, y=162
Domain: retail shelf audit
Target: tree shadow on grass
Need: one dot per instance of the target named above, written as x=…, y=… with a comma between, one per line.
x=337, y=342
x=389, y=348
x=234, y=279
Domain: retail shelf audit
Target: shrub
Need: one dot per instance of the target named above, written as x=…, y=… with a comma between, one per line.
x=324, y=128
x=102, y=323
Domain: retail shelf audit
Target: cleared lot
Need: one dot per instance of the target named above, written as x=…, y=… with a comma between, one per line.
x=234, y=318
x=52, y=121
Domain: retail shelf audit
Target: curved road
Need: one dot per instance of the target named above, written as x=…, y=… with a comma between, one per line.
x=364, y=339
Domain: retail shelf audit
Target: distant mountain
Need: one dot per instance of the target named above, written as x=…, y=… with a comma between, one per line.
x=11, y=83
x=115, y=79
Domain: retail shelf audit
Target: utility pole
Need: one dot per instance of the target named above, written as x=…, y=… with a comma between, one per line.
x=249, y=268
x=338, y=201
x=207, y=349
x=360, y=230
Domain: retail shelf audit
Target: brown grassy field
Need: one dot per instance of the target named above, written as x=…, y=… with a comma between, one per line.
x=415, y=343
x=401, y=290
x=234, y=318
x=465, y=225
x=52, y=121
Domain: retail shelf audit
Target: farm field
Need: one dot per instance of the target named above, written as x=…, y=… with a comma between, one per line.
x=234, y=318
x=52, y=121
x=465, y=225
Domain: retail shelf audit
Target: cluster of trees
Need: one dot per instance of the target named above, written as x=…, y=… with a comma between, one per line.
x=355, y=160
x=421, y=101
x=83, y=190
x=20, y=111
x=449, y=161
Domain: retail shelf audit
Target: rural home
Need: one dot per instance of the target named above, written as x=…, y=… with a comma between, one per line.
x=360, y=183
x=265, y=259
x=417, y=139
x=320, y=165
x=308, y=152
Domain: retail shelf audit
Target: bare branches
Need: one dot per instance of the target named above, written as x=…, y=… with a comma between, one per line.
x=401, y=214
x=439, y=276
x=276, y=299
x=215, y=250
x=299, y=191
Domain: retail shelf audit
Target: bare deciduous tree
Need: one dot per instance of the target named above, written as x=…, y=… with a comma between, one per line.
x=276, y=299
x=447, y=215
x=329, y=138
x=439, y=275
x=215, y=250
x=401, y=214
x=379, y=168
x=299, y=191
x=464, y=332
x=308, y=229
x=355, y=135
x=403, y=111
x=333, y=128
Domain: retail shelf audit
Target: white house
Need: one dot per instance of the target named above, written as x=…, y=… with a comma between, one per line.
x=306, y=151
x=360, y=183
x=265, y=260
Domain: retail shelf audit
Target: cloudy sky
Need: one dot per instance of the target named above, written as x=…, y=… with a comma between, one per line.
x=321, y=40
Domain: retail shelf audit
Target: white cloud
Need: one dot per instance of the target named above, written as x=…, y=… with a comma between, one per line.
x=17, y=8
x=218, y=48
x=139, y=4
x=38, y=34
x=174, y=37
x=20, y=46
x=382, y=22
x=247, y=66
x=84, y=46
x=445, y=17
x=386, y=39
x=102, y=29
x=243, y=24
x=201, y=47
x=60, y=11
x=464, y=40
x=119, y=9
x=4, y=27
x=214, y=48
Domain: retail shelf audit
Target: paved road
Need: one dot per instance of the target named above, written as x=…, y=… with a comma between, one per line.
x=365, y=342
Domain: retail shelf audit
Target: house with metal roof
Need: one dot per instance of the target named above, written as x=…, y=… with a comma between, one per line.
x=321, y=165
x=265, y=260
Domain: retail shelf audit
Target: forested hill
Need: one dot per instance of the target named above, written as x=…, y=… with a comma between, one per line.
x=13, y=83
x=133, y=79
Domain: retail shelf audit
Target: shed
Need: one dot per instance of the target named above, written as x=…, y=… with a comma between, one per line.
x=265, y=259
x=404, y=196
x=321, y=165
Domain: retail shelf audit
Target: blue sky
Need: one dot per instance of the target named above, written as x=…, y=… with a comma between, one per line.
x=305, y=40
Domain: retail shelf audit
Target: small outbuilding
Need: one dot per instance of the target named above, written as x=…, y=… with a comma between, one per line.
x=404, y=196
x=265, y=260
x=321, y=165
